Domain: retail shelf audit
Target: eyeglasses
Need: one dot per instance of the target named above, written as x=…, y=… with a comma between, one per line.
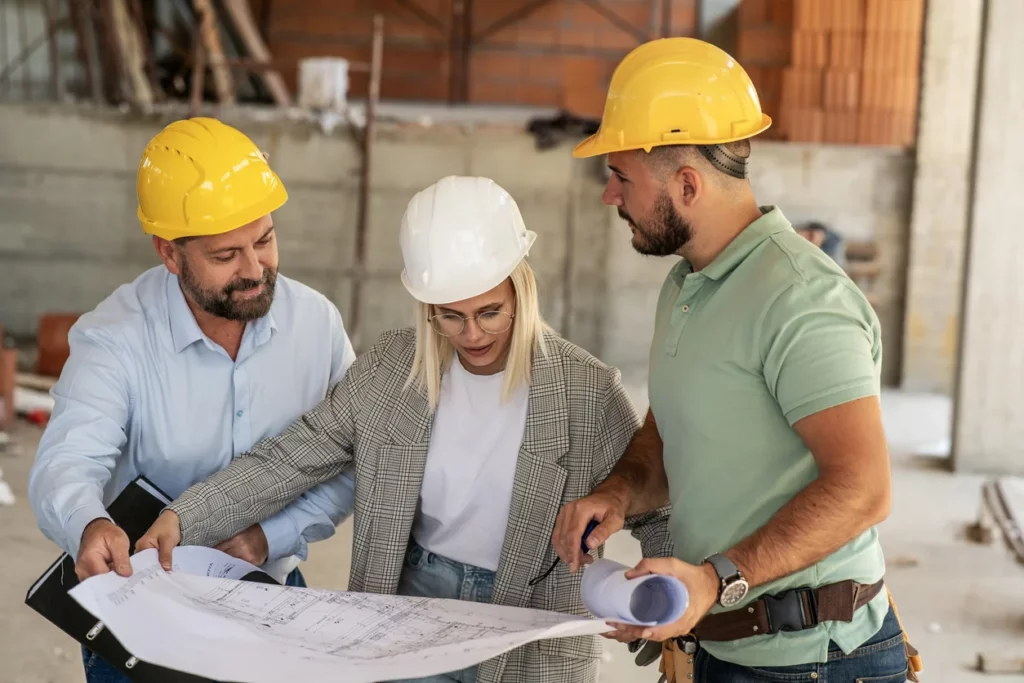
x=453, y=324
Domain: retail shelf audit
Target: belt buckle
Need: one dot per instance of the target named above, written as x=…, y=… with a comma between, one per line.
x=687, y=643
x=786, y=610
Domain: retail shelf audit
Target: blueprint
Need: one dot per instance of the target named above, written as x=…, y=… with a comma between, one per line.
x=198, y=621
x=650, y=600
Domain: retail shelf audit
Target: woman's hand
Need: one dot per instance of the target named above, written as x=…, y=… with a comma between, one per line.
x=164, y=535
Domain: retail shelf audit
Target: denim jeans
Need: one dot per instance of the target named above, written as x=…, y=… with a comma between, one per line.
x=882, y=659
x=97, y=670
x=432, y=576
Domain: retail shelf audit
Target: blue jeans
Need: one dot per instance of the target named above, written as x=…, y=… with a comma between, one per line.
x=431, y=576
x=882, y=659
x=97, y=670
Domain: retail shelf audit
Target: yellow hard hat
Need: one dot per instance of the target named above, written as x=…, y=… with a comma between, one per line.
x=676, y=91
x=202, y=177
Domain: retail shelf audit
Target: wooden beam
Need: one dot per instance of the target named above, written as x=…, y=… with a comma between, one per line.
x=129, y=44
x=85, y=39
x=208, y=30
x=56, y=82
x=369, y=136
x=110, y=52
x=244, y=22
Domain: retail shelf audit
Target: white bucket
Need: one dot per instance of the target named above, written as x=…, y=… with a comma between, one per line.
x=323, y=83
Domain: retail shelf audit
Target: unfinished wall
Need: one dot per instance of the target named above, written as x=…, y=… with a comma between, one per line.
x=987, y=429
x=68, y=233
x=942, y=194
x=558, y=54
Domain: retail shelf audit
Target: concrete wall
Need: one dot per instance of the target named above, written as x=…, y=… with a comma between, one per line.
x=68, y=234
x=987, y=429
x=953, y=36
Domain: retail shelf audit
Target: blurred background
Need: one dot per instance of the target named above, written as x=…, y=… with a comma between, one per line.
x=896, y=148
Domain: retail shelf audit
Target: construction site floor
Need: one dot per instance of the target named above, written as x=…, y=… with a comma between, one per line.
x=957, y=599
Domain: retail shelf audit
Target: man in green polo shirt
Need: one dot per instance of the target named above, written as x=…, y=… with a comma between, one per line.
x=765, y=430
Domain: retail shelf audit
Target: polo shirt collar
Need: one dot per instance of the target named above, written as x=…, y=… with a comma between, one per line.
x=771, y=222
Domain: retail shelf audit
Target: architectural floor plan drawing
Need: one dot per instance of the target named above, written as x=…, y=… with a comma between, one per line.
x=233, y=630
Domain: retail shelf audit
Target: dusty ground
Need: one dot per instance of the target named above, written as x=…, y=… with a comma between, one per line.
x=956, y=599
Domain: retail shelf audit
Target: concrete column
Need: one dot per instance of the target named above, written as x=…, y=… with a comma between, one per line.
x=988, y=430
x=938, y=230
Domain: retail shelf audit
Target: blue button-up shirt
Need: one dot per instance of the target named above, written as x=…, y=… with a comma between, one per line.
x=144, y=391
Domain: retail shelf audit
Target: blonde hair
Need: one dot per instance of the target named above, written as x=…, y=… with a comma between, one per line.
x=434, y=352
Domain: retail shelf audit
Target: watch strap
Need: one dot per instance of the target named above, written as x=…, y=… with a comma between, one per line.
x=724, y=567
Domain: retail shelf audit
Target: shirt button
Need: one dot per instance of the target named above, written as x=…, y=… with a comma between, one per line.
x=239, y=413
x=686, y=308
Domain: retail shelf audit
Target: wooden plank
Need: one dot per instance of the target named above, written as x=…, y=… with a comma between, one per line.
x=208, y=29
x=56, y=82
x=130, y=47
x=245, y=24
x=85, y=39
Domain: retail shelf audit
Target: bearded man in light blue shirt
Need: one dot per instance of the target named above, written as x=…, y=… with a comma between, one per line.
x=184, y=369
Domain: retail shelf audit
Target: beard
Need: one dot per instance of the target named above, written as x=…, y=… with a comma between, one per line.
x=664, y=234
x=221, y=304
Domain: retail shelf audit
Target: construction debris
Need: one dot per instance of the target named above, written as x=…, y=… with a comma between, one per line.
x=992, y=663
x=1002, y=506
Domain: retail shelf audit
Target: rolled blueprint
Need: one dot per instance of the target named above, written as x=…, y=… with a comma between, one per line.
x=651, y=600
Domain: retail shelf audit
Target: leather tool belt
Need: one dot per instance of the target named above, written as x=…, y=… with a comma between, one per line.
x=793, y=610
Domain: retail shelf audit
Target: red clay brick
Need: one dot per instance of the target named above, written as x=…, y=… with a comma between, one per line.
x=810, y=49
x=801, y=89
x=683, y=19
x=767, y=82
x=496, y=65
x=847, y=15
x=841, y=127
x=803, y=125
x=812, y=15
x=753, y=12
x=893, y=52
x=763, y=46
x=841, y=90
x=892, y=129
x=846, y=50
x=538, y=94
x=780, y=13
x=887, y=92
x=895, y=15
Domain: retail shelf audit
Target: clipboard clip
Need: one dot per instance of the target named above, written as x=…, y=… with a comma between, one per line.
x=96, y=630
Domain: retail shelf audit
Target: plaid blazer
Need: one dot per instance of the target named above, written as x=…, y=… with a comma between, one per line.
x=579, y=422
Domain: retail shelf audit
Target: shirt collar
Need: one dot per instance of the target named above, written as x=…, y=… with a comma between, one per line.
x=771, y=222
x=185, y=330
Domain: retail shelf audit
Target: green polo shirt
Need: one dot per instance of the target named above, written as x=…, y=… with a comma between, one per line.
x=768, y=333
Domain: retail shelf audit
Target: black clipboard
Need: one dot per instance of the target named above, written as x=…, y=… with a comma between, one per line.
x=134, y=510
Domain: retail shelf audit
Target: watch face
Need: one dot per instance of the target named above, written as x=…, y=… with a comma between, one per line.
x=733, y=593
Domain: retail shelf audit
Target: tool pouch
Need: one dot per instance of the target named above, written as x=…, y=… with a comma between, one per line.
x=677, y=660
x=914, y=663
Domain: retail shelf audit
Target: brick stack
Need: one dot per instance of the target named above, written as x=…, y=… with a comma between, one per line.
x=764, y=48
x=841, y=71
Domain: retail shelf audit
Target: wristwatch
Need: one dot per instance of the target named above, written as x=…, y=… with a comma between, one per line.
x=733, y=587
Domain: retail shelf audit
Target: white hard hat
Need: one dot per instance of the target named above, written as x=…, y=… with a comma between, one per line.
x=461, y=237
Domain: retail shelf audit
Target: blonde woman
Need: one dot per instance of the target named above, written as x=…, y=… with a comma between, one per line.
x=468, y=434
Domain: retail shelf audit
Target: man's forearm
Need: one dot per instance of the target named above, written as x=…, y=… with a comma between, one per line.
x=822, y=518
x=639, y=476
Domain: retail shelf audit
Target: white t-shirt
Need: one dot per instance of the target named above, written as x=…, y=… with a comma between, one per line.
x=471, y=464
